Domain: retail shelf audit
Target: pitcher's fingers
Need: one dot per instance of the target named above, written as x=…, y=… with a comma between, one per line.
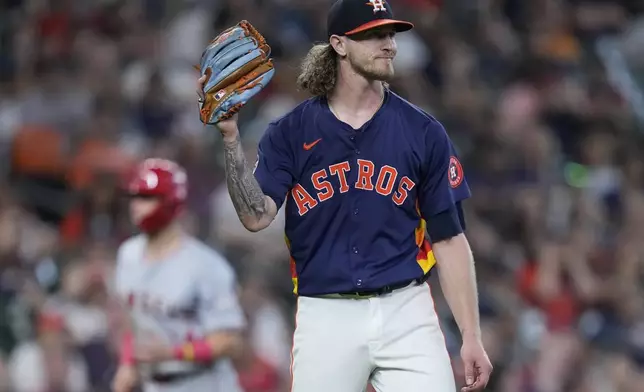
x=476, y=386
x=480, y=382
x=485, y=372
x=200, y=83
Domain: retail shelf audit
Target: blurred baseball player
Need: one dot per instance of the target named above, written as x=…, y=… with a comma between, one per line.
x=180, y=294
x=363, y=176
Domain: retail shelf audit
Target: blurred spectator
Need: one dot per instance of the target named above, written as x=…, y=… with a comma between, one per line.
x=269, y=332
x=83, y=306
x=98, y=216
x=49, y=362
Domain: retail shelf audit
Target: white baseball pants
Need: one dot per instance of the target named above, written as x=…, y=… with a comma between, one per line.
x=393, y=340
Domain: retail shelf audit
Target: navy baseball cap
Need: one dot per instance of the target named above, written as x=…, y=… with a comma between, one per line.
x=347, y=17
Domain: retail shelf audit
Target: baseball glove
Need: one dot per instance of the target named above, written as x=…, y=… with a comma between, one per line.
x=237, y=67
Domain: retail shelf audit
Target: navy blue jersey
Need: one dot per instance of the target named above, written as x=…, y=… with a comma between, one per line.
x=357, y=201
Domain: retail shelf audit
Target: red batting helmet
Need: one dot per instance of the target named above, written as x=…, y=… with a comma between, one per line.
x=165, y=180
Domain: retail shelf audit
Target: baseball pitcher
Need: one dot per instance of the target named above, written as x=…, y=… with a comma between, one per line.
x=372, y=190
x=180, y=295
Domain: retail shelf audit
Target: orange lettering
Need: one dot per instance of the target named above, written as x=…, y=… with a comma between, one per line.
x=303, y=199
x=322, y=185
x=387, y=174
x=404, y=187
x=340, y=170
x=366, y=170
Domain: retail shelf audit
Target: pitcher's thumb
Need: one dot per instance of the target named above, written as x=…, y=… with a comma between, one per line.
x=469, y=372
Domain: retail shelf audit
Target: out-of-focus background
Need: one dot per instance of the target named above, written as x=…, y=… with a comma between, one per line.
x=543, y=99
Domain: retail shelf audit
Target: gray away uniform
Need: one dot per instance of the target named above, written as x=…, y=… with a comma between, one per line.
x=189, y=294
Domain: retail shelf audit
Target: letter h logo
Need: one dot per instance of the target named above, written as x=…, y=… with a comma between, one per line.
x=378, y=5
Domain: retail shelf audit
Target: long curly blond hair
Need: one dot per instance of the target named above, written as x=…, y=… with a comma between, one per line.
x=319, y=70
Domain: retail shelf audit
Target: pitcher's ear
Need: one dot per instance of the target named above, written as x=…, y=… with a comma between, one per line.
x=338, y=44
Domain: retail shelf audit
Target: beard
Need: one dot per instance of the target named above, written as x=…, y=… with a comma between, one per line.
x=374, y=69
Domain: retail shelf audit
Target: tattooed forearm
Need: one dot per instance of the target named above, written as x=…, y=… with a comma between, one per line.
x=247, y=196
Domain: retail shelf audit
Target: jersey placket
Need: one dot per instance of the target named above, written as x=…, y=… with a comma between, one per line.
x=355, y=139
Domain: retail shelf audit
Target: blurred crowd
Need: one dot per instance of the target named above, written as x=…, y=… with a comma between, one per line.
x=545, y=121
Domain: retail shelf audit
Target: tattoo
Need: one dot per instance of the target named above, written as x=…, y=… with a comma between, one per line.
x=247, y=196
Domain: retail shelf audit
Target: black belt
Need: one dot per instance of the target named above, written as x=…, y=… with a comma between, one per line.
x=167, y=378
x=378, y=292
